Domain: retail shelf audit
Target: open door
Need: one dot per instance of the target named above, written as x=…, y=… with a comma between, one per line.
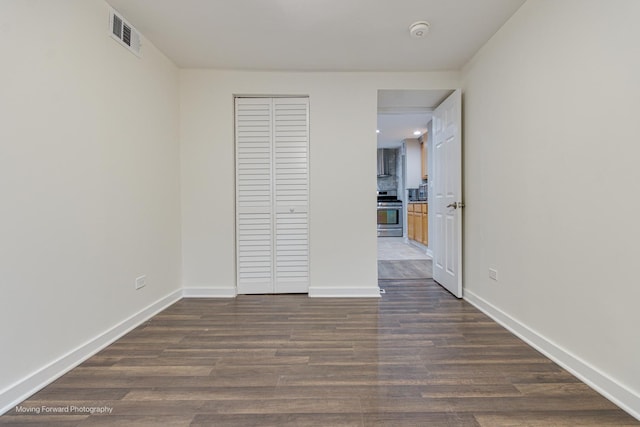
x=446, y=202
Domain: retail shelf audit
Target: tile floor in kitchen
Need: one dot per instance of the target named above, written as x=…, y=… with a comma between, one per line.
x=395, y=249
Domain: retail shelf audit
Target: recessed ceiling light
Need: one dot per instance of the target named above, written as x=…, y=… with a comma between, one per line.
x=377, y=130
x=417, y=133
x=419, y=29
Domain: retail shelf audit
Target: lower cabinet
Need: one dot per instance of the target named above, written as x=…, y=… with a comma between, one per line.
x=418, y=222
x=411, y=229
x=425, y=224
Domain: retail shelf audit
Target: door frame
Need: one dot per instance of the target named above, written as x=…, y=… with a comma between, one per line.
x=436, y=97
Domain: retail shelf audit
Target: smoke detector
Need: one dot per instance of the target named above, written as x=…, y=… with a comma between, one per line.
x=419, y=29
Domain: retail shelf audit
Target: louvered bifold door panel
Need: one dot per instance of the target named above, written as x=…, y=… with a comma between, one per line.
x=291, y=193
x=254, y=195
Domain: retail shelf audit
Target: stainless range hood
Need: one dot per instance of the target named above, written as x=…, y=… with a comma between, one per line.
x=386, y=161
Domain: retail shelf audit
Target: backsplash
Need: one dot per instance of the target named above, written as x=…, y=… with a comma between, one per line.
x=387, y=183
x=390, y=182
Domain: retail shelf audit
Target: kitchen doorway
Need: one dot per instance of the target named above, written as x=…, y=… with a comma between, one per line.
x=404, y=119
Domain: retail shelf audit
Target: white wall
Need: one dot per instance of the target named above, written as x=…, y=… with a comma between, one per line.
x=89, y=181
x=343, y=120
x=551, y=154
x=414, y=163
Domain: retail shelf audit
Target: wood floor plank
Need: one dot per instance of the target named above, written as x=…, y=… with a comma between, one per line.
x=42, y=420
x=415, y=357
x=417, y=419
x=405, y=269
x=279, y=420
x=561, y=419
x=139, y=421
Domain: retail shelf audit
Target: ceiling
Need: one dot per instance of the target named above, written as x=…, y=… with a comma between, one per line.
x=317, y=35
x=402, y=112
x=326, y=35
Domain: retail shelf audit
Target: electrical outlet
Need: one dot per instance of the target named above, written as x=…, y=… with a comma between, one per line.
x=493, y=274
x=141, y=282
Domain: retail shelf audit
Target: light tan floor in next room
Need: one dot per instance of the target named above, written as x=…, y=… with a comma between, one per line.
x=395, y=249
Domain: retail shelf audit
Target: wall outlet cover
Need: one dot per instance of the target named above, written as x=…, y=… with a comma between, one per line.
x=141, y=282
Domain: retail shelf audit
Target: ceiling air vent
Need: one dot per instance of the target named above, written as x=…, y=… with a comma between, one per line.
x=124, y=32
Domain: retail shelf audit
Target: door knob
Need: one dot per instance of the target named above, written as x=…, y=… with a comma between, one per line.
x=456, y=205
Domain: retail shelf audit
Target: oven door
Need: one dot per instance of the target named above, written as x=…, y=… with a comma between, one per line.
x=389, y=220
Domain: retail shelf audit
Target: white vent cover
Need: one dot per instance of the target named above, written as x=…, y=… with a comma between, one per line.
x=124, y=32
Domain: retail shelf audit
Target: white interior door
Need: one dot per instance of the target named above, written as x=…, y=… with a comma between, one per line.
x=272, y=195
x=446, y=202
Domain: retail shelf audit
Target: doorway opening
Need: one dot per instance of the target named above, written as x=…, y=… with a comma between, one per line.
x=404, y=161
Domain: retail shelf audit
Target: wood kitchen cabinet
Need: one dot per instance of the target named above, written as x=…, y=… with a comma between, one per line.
x=425, y=224
x=411, y=221
x=418, y=222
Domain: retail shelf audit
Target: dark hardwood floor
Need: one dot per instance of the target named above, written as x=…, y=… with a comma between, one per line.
x=416, y=357
x=405, y=269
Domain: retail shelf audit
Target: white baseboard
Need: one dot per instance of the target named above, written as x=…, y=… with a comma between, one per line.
x=344, y=292
x=209, y=292
x=617, y=393
x=24, y=388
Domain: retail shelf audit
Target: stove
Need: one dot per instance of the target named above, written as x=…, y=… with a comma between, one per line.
x=389, y=214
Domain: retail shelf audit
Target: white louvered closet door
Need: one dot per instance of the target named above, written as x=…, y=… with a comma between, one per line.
x=272, y=195
x=291, y=161
x=254, y=200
